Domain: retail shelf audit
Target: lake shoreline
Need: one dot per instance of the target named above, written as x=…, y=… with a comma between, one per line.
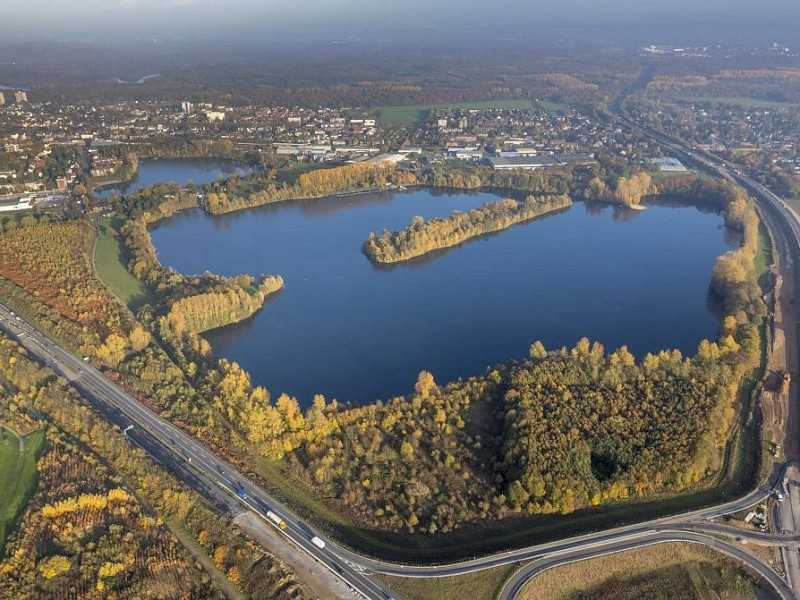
x=230, y=253
x=201, y=167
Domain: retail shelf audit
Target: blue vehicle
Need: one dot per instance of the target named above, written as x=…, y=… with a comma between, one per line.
x=241, y=493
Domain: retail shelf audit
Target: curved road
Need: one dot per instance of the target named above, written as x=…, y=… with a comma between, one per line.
x=518, y=581
x=221, y=483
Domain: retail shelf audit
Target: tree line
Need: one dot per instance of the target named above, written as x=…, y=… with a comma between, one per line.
x=356, y=177
x=556, y=180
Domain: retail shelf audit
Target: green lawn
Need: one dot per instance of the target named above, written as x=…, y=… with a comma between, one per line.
x=110, y=264
x=17, y=476
x=402, y=116
x=739, y=101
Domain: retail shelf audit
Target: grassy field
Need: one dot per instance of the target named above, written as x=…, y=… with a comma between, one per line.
x=403, y=116
x=552, y=106
x=17, y=476
x=668, y=571
x=110, y=265
x=736, y=101
x=483, y=584
x=656, y=174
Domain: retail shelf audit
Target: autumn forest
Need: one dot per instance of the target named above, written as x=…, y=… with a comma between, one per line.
x=557, y=431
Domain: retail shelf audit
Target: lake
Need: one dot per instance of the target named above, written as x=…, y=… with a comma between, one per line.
x=180, y=170
x=356, y=332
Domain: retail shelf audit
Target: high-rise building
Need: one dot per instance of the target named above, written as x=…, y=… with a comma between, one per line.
x=187, y=107
x=21, y=96
x=2, y=98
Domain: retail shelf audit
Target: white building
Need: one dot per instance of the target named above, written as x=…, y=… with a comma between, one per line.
x=215, y=115
x=22, y=204
x=529, y=163
x=672, y=165
x=392, y=158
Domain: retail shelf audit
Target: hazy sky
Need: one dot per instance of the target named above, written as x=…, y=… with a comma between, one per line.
x=225, y=17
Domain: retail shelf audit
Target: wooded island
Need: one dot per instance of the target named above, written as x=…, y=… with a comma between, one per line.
x=423, y=236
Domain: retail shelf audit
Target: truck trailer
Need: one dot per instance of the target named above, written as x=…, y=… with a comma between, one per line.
x=276, y=519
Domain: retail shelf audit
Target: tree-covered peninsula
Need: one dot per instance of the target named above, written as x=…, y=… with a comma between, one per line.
x=423, y=236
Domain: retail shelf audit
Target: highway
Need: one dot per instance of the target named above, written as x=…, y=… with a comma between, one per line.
x=217, y=480
x=183, y=455
x=787, y=521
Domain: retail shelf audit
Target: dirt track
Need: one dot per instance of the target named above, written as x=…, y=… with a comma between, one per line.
x=781, y=410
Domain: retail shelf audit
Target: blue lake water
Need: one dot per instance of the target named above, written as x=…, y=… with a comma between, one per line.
x=355, y=332
x=179, y=170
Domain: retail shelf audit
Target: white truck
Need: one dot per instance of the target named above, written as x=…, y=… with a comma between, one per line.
x=319, y=543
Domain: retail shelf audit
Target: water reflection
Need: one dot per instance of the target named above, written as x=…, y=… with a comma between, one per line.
x=177, y=170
